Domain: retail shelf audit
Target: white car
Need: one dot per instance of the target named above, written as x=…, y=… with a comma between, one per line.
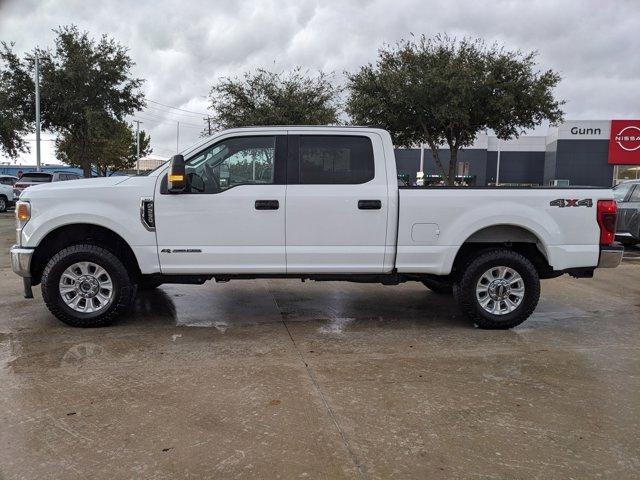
x=320, y=203
x=7, y=197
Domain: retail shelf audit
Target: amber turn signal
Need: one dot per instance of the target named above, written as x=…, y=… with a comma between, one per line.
x=176, y=178
x=23, y=211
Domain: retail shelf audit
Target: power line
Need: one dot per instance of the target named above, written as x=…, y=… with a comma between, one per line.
x=176, y=108
x=162, y=119
x=169, y=112
x=150, y=118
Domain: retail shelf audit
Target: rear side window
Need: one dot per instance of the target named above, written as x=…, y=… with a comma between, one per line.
x=635, y=196
x=335, y=160
x=621, y=190
x=36, y=177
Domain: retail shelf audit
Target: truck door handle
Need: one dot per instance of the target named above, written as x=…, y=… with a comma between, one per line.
x=267, y=205
x=369, y=204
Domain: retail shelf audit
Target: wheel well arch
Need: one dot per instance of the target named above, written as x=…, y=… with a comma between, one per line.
x=57, y=239
x=513, y=237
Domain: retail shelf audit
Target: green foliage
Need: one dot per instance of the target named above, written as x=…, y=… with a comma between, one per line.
x=86, y=92
x=442, y=90
x=16, y=102
x=268, y=98
x=111, y=144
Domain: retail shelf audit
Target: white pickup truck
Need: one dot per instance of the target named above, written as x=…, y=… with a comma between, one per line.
x=319, y=203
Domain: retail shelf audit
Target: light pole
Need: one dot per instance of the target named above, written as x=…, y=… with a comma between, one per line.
x=37, y=82
x=498, y=166
x=138, y=122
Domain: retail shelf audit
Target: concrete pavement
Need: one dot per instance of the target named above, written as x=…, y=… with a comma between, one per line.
x=282, y=379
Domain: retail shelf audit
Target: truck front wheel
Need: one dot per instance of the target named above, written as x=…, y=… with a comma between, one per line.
x=86, y=286
x=499, y=289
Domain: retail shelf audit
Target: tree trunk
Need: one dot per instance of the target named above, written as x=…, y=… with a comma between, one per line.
x=453, y=164
x=86, y=168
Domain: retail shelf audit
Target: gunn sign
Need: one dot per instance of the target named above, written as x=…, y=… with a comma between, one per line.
x=624, y=142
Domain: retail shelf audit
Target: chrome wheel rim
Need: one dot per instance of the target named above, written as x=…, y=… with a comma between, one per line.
x=86, y=287
x=500, y=290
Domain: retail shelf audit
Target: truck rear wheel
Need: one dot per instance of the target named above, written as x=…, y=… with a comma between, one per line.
x=499, y=289
x=86, y=286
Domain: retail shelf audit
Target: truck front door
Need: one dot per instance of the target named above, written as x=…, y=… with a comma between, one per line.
x=231, y=219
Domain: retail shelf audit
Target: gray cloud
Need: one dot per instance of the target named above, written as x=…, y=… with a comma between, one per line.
x=181, y=48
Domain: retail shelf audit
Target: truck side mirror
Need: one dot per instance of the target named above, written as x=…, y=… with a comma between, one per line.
x=177, y=178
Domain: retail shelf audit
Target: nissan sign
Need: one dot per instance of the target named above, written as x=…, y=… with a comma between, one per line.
x=624, y=142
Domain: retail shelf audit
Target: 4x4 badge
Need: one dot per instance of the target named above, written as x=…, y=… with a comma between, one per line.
x=571, y=202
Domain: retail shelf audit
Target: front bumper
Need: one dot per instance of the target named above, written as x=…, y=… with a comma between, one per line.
x=21, y=260
x=21, y=264
x=610, y=256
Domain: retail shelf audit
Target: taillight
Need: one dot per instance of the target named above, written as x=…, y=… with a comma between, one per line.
x=607, y=217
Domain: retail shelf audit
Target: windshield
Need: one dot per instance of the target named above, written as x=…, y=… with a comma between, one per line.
x=36, y=177
x=620, y=191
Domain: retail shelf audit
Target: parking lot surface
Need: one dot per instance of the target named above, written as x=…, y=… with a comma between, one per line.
x=283, y=379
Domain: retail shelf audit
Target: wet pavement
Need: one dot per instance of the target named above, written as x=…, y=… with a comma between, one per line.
x=283, y=379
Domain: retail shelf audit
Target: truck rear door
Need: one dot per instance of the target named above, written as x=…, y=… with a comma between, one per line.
x=337, y=203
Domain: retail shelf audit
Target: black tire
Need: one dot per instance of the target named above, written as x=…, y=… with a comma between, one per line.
x=4, y=203
x=436, y=286
x=123, y=289
x=465, y=290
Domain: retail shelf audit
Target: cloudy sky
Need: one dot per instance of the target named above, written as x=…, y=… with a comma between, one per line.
x=182, y=47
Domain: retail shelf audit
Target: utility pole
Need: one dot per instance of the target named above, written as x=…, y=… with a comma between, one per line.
x=138, y=122
x=498, y=166
x=37, y=82
x=178, y=137
x=208, y=120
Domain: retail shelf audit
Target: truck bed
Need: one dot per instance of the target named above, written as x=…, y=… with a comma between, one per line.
x=435, y=221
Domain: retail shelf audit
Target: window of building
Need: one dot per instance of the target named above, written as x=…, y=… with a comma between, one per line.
x=625, y=172
x=329, y=160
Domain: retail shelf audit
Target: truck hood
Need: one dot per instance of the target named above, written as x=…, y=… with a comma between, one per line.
x=72, y=188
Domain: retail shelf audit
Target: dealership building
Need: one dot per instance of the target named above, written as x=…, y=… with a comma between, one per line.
x=585, y=152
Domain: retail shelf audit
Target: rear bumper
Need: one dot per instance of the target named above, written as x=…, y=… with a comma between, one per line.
x=21, y=260
x=610, y=256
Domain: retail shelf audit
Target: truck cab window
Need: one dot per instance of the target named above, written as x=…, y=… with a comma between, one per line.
x=339, y=159
x=232, y=162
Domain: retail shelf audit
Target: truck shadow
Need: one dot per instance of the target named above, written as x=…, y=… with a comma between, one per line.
x=336, y=306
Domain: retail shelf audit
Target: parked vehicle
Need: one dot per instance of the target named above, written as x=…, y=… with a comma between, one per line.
x=319, y=203
x=9, y=180
x=627, y=194
x=7, y=198
x=36, y=178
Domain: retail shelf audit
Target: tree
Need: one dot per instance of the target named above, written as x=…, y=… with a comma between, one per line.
x=112, y=145
x=85, y=85
x=16, y=102
x=268, y=98
x=442, y=90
